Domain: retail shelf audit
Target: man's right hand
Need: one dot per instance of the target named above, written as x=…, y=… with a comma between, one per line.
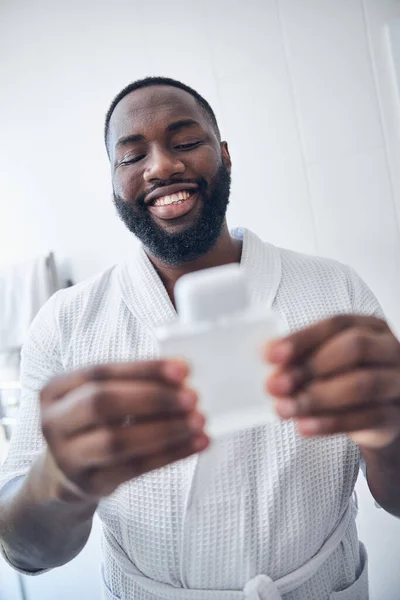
x=107, y=424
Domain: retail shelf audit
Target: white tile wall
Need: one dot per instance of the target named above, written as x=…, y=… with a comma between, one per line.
x=176, y=45
x=383, y=26
x=356, y=221
x=270, y=189
x=329, y=62
x=244, y=35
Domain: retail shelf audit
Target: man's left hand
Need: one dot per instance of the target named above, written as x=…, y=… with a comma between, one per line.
x=341, y=375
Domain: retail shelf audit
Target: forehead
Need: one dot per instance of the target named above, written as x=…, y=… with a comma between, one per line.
x=153, y=107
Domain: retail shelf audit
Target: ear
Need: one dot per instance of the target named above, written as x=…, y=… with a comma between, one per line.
x=226, y=157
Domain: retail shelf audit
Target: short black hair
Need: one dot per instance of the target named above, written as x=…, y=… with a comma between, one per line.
x=150, y=81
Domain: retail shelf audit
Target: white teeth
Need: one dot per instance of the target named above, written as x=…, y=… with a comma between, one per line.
x=172, y=198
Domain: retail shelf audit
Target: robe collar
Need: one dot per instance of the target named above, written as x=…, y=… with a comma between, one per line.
x=146, y=297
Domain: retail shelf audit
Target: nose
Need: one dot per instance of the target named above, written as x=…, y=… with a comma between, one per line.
x=162, y=166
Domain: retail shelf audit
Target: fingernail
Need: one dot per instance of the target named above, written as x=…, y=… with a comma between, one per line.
x=176, y=370
x=279, y=352
x=196, y=422
x=286, y=407
x=187, y=398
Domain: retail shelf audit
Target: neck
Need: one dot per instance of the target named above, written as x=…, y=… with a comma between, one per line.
x=227, y=250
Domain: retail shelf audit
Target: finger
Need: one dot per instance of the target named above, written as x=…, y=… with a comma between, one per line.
x=347, y=350
x=374, y=418
x=286, y=382
x=299, y=345
x=109, y=402
x=104, y=481
x=355, y=347
x=168, y=371
x=111, y=446
x=349, y=391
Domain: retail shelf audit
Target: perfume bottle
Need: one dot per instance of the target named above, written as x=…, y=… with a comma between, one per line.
x=220, y=334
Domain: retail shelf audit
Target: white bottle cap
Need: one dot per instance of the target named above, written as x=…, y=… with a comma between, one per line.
x=211, y=293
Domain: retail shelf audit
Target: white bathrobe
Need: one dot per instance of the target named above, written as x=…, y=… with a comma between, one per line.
x=275, y=516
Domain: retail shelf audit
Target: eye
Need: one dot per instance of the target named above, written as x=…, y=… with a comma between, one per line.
x=131, y=160
x=187, y=146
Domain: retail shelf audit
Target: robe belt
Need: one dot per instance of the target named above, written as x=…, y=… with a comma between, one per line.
x=260, y=587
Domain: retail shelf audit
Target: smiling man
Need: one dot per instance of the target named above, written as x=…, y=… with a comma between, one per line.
x=104, y=425
x=171, y=180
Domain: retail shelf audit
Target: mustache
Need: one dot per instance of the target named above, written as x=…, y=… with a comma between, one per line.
x=201, y=182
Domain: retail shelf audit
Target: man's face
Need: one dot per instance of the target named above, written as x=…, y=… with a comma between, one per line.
x=170, y=174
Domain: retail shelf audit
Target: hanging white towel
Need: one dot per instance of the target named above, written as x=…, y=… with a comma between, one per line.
x=24, y=288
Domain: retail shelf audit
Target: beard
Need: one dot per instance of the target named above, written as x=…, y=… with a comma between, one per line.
x=198, y=238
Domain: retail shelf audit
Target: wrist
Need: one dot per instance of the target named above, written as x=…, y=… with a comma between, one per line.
x=52, y=482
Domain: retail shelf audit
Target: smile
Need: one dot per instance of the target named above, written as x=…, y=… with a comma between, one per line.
x=174, y=206
x=176, y=198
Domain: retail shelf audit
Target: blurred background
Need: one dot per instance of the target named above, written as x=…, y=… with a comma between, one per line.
x=307, y=94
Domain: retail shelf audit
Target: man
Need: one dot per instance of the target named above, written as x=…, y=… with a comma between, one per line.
x=274, y=517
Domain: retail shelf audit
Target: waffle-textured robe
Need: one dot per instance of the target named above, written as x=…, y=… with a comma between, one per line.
x=265, y=513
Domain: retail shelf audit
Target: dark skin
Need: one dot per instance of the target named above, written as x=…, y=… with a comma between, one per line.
x=325, y=372
x=158, y=157
x=342, y=375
